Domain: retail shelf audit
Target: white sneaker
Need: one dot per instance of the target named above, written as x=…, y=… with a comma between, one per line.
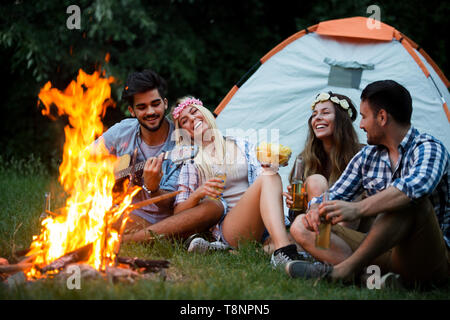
x=200, y=245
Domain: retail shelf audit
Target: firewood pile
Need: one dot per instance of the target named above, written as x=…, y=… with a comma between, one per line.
x=127, y=269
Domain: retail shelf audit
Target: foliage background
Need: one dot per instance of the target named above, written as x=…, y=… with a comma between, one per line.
x=201, y=47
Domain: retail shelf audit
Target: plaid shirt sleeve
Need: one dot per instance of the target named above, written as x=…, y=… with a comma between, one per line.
x=430, y=158
x=254, y=166
x=349, y=184
x=188, y=181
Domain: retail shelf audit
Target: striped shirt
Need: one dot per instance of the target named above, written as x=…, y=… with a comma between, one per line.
x=423, y=169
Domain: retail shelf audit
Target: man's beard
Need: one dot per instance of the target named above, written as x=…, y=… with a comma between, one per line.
x=373, y=141
x=152, y=129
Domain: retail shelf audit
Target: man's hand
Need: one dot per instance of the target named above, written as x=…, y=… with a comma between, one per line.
x=338, y=210
x=311, y=219
x=153, y=172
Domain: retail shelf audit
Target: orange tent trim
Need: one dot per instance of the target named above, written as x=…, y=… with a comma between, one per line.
x=447, y=112
x=225, y=100
x=411, y=52
x=356, y=27
x=429, y=60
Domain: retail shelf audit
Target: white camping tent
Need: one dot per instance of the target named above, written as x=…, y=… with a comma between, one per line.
x=342, y=56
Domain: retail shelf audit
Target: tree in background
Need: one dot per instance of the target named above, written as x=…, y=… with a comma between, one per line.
x=201, y=47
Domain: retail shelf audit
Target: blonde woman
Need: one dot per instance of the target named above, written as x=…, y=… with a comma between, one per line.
x=252, y=202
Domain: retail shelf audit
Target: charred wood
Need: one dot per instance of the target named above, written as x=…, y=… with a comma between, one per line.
x=78, y=255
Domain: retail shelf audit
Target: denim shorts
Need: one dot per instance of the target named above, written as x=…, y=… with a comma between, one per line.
x=217, y=229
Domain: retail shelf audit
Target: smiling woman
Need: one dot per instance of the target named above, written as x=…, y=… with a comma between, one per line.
x=332, y=140
x=227, y=171
x=331, y=144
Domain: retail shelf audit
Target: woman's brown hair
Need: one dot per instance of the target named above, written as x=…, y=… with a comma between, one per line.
x=346, y=145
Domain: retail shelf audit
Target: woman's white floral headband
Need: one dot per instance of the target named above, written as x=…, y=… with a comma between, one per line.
x=181, y=106
x=324, y=96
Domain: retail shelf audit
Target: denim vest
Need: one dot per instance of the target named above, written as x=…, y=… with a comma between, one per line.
x=123, y=138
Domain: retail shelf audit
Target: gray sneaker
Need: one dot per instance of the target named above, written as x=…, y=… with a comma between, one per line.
x=200, y=245
x=308, y=270
x=306, y=256
x=284, y=255
x=391, y=281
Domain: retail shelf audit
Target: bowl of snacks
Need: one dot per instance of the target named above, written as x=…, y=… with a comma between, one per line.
x=273, y=155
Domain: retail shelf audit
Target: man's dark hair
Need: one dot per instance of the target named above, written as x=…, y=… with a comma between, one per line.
x=146, y=80
x=390, y=96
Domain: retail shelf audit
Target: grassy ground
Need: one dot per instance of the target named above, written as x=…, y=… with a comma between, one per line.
x=243, y=274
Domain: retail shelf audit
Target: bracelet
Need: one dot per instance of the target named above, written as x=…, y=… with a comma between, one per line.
x=149, y=191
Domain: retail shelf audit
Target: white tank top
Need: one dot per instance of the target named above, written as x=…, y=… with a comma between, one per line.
x=237, y=183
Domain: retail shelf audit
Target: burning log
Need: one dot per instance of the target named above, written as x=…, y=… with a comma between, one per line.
x=13, y=268
x=86, y=272
x=147, y=265
x=116, y=274
x=78, y=255
x=6, y=268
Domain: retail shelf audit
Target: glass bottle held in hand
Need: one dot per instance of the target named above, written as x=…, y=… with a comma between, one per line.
x=298, y=191
x=298, y=188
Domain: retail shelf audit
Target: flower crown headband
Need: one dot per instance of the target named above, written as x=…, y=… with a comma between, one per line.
x=324, y=96
x=176, y=112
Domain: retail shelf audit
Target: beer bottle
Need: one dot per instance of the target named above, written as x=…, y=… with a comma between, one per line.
x=298, y=191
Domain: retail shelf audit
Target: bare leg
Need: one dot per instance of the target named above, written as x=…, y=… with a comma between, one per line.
x=260, y=206
x=339, y=250
x=269, y=246
x=198, y=218
x=316, y=184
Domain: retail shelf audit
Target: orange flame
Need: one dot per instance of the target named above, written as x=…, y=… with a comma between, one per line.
x=87, y=175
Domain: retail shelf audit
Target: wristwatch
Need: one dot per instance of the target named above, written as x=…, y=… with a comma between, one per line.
x=149, y=191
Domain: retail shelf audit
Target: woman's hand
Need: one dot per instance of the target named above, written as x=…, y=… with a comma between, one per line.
x=288, y=196
x=212, y=188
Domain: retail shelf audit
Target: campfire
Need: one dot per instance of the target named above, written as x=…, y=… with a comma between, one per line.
x=88, y=228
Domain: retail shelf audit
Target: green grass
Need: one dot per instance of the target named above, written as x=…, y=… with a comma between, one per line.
x=243, y=274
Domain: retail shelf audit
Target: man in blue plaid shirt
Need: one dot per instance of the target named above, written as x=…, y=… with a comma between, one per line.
x=405, y=177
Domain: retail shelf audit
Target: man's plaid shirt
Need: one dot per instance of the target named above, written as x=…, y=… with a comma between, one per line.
x=423, y=169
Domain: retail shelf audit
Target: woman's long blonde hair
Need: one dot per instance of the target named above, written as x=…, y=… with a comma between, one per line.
x=345, y=141
x=206, y=157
